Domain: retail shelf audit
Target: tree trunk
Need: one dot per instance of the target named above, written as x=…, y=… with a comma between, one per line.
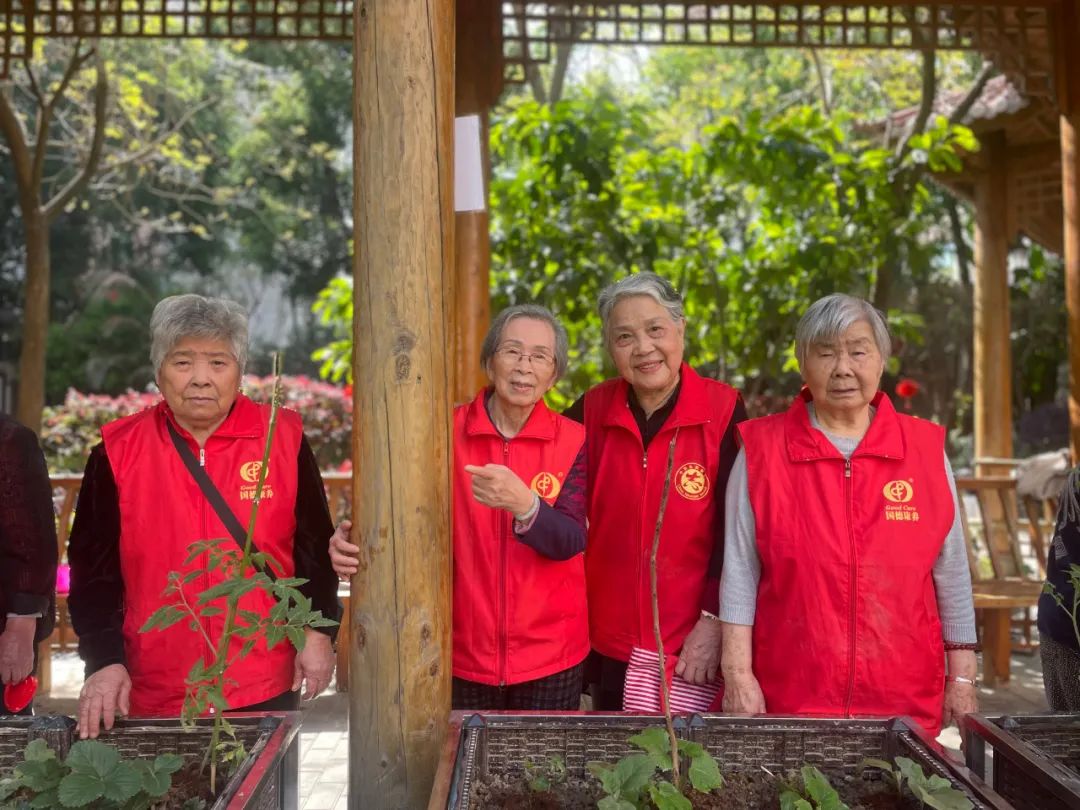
x=35, y=333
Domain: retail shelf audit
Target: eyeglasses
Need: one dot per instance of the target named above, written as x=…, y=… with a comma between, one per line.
x=538, y=360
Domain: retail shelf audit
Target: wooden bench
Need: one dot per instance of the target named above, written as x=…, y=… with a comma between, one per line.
x=1011, y=584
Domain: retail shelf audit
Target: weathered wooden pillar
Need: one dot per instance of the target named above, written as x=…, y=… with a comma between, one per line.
x=399, y=688
x=478, y=84
x=993, y=351
x=1068, y=71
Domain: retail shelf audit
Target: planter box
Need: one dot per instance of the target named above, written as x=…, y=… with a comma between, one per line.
x=267, y=780
x=499, y=743
x=1035, y=761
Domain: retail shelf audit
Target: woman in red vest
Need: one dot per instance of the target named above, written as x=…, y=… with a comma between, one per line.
x=846, y=588
x=520, y=624
x=632, y=422
x=140, y=507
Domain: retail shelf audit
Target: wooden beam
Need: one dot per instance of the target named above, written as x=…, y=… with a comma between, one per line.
x=478, y=85
x=993, y=353
x=399, y=685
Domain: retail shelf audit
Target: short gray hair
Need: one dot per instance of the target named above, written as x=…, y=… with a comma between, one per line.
x=829, y=317
x=183, y=316
x=534, y=312
x=644, y=283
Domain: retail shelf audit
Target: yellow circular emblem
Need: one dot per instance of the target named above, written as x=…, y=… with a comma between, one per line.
x=691, y=481
x=546, y=485
x=898, y=491
x=250, y=471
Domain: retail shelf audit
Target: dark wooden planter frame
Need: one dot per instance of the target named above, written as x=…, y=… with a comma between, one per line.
x=501, y=742
x=1034, y=759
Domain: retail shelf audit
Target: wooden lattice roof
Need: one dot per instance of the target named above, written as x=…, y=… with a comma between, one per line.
x=1016, y=35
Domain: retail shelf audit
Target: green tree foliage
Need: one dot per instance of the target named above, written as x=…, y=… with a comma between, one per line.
x=752, y=218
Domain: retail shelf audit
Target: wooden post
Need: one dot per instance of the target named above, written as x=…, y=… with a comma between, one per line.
x=1067, y=70
x=993, y=352
x=1070, y=194
x=399, y=685
x=478, y=84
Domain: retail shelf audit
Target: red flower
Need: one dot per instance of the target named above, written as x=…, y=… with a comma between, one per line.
x=907, y=388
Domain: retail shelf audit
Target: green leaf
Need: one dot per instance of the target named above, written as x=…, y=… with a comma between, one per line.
x=667, y=797
x=80, y=789
x=614, y=803
x=655, y=742
x=948, y=799
x=881, y=764
x=38, y=751
x=39, y=775
x=168, y=763
x=610, y=780
x=156, y=783
x=819, y=789
x=92, y=757
x=122, y=783
x=790, y=800
x=634, y=773
x=704, y=773
x=46, y=799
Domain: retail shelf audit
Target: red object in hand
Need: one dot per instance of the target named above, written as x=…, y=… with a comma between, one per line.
x=17, y=696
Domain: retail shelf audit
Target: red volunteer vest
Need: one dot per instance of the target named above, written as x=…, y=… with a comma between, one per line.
x=163, y=511
x=625, y=487
x=847, y=620
x=518, y=615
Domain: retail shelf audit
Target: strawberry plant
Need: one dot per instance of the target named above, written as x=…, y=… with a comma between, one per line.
x=91, y=775
x=932, y=791
x=816, y=793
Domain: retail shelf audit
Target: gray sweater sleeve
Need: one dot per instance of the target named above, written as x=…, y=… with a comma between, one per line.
x=952, y=579
x=742, y=566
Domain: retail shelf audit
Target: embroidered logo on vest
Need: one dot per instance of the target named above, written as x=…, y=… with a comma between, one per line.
x=249, y=471
x=691, y=481
x=546, y=485
x=899, y=494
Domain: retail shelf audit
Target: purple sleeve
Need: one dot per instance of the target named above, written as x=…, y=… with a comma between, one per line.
x=558, y=531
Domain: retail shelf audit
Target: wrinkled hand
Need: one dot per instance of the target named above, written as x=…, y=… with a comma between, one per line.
x=960, y=699
x=499, y=487
x=343, y=554
x=104, y=695
x=699, y=660
x=17, y=648
x=314, y=664
x=742, y=695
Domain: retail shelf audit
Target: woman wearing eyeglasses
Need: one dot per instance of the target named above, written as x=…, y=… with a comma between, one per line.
x=520, y=619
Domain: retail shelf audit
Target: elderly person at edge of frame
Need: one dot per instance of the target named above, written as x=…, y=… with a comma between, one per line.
x=845, y=587
x=27, y=560
x=521, y=628
x=141, y=506
x=657, y=405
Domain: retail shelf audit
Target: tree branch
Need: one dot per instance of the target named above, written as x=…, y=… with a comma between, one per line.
x=926, y=103
x=80, y=181
x=45, y=113
x=964, y=107
x=823, y=83
x=15, y=135
x=150, y=148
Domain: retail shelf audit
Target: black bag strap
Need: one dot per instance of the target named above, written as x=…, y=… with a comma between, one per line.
x=213, y=494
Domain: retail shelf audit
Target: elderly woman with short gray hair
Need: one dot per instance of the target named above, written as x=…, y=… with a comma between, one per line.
x=845, y=587
x=142, y=504
x=658, y=409
x=520, y=622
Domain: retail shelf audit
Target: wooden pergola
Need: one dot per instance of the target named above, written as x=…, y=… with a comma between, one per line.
x=421, y=271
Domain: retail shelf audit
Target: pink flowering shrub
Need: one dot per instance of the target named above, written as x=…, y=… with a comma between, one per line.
x=70, y=430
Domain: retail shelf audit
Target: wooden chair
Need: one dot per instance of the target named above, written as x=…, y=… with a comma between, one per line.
x=1011, y=584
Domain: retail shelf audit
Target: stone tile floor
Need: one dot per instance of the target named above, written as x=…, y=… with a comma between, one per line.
x=324, y=737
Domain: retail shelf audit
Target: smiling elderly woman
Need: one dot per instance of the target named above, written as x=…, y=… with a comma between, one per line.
x=845, y=584
x=520, y=623
x=140, y=508
x=657, y=403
